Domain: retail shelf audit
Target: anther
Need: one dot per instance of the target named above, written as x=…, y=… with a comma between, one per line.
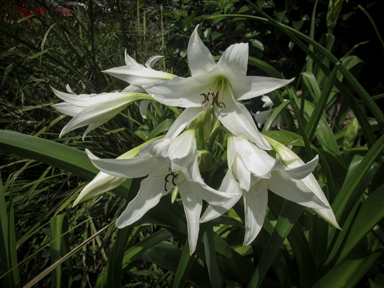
x=174, y=176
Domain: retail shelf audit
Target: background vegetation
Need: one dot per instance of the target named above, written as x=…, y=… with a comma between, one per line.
x=333, y=109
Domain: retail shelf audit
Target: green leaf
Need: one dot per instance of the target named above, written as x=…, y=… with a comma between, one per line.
x=211, y=259
x=264, y=66
x=185, y=265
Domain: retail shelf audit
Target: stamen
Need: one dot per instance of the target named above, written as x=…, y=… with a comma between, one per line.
x=215, y=99
x=206, y=98
x=174, y=176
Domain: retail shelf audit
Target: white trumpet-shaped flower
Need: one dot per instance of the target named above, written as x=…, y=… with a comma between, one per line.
x=219, y=86
x=93, y=110
x=168, y=163
x=257, y=172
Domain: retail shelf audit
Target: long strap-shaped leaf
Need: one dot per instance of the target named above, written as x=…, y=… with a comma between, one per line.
x=56, y=154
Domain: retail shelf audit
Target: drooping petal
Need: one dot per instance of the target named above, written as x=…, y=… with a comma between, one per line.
x=255, y=208
x=143, y=108
x=83, y=100
x=242, y=173
x=267, y=101
x=133, y=88
x=182, y=92
x=229, y=185
x=126, y=168
x=68, y=109
x=261, y=117
x=294, y=190
x=100, y=184
x=235, y=58
x=260, y=86
x=199, y=58
x=236, y=118
x=153, y=60
x=138, y=75
x=184, y=119
x=149, y=195
x=298, y=172
x=256, y=160
x=192, y=208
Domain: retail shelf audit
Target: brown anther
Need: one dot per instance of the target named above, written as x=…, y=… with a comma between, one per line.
x=215, y=100
x=206, y=98
x=174, y=176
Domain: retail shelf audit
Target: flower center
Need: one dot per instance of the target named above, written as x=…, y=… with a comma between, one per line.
x=221, y=83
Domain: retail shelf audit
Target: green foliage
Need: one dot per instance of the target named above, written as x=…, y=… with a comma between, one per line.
x=328, y=111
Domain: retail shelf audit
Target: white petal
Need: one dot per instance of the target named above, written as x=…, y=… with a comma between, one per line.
x=199, y=58
x=256, y=160
x=255, y=208
x=182, y=92
x=129, y=61
x=126, y=168
x=138, y=75
x=192, y=208
x=100, y=184
x=261, y=117
x=235, y=58
x=149, y=195
x=294, y=190
x=229, y=185
x=267, y=101
x=68, y=109
x=241, y=173
x=83, y=100
x=153, y=60
x=260, y=86
x=143, y=108
x=236, y=118
x=133, y=88
x=328, y=215
x=298, y=172
x=185, y=118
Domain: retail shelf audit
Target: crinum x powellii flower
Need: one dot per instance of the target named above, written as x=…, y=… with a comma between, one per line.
x=218, y=86
x=168, y=163
x=96, y=109
x=257, y=172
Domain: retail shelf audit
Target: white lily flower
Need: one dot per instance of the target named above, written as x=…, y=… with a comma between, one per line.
x=93, y=109
x=257, y=172
x=168, y=163
x=291, y=160
x=218, y=86
x=262, y=116
x=137, y=74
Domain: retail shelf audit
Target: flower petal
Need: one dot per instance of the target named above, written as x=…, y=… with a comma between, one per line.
x=255, y=208
x=182, y=92
x=148, y=196
x=153, y=60
x=199, y=58
x=185, y=118
x=235, y=58
x=138, y=75
x=229, y=184
x=260, y=86
x=192, y=208
x=261, y=117
x=68, y=109
x=256, y=160
x=236, y=118
x=298, y=172
x=294, y=190
x=143, y=108
x=100, y=184
x=126, y=168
